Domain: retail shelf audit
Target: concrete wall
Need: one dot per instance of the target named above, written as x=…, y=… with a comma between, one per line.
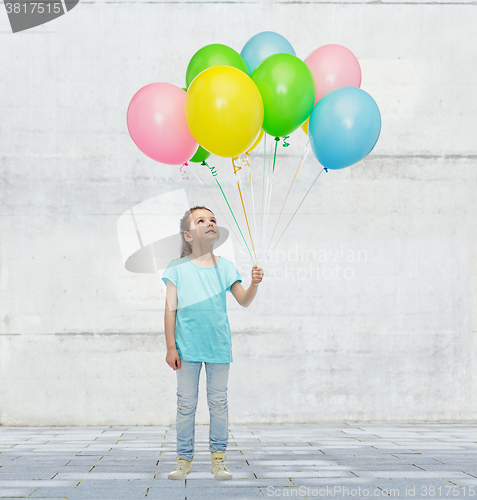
x=385, y=327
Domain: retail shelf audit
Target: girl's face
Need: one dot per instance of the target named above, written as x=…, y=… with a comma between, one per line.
x=203, y=226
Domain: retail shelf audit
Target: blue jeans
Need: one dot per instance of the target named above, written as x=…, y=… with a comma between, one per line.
x=187, y=395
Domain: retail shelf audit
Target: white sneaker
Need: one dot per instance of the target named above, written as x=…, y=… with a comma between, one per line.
x=180, y=471
x=218, y=469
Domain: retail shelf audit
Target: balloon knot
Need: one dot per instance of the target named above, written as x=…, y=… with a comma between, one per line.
x=212, y=170
x=204, y=163
x=236, y=167
x=184, y=174
x=277, y=138
x=326, y=170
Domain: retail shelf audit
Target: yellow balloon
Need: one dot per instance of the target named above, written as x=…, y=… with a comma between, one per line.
x=224, y=110
x=256, y=143
x=304, y=127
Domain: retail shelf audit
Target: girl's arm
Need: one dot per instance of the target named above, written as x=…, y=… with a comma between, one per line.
x=172, y=357
x=245, y=297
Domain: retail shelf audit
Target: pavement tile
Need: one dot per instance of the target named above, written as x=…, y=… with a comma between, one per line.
x=108, y=493
x=238, y=493
x=51, y=491
x=98, y=476
x=165, y=493
x=27, y=474
x=237, y=483
x=16, y=491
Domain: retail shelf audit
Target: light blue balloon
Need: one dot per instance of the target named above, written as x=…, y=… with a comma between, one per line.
x=262, y=45
x=344, y=127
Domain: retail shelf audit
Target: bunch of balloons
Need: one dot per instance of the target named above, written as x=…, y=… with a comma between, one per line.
x=231, y=99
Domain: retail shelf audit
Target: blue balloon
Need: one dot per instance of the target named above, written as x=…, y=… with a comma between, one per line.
x=344, y=127
x=262, y=45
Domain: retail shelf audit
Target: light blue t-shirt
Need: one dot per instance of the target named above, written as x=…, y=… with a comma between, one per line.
x=202, y=330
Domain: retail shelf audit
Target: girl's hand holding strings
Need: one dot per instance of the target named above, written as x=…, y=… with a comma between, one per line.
x=257, y=275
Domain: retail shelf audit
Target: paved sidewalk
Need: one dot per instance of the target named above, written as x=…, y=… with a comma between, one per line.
x=268, y=461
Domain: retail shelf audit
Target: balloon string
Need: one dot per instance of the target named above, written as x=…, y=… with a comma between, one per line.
x=295, y=212
x=271, y=180
x=214, y=173
x=302, y=160
x=233, y=215
x=271, y=183
x=183, y=172
x=263, y=190
x=285, y=143
x=253, y=199
x=244, y=184
x=264, y=226
x=277, y=139
x=236, y=169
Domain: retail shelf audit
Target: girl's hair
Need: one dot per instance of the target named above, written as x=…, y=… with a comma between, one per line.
x=185, y=226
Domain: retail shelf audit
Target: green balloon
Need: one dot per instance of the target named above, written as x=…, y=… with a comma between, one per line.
x=200, y=155
x=288, y=93
x=215, y=54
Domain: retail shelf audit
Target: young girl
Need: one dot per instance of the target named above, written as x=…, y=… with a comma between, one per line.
x=197, y=330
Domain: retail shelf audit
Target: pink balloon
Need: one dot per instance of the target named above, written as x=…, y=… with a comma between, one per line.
x=333, y=66
x=157, y=124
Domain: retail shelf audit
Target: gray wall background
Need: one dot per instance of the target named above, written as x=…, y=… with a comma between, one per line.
x=82, y=339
